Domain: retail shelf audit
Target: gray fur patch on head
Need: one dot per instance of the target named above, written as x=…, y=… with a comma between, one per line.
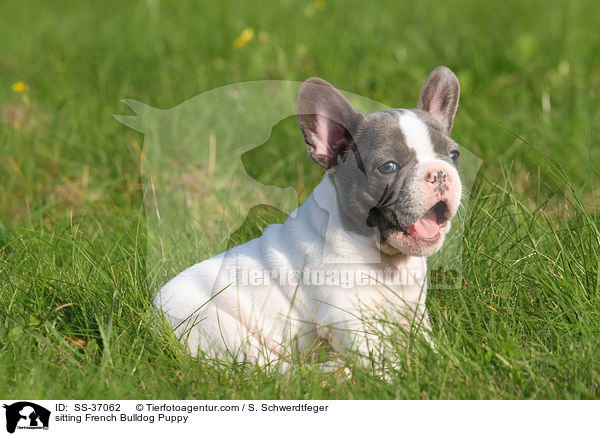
x=378, y=140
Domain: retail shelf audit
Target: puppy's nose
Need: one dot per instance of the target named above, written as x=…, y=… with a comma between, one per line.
x=434, y=177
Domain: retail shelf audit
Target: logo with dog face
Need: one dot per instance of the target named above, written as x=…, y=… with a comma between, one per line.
x=26, y=415
x=202, y=178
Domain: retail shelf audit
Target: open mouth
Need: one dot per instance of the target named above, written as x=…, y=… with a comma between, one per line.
x=427, y=231
x=427, y=228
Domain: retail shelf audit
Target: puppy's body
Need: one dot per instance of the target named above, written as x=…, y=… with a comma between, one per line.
x=265, y=321
x=351, y=255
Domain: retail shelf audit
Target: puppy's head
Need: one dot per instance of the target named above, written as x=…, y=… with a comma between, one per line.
x=394, y=171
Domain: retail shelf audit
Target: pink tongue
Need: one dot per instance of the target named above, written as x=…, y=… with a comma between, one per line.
x=427, y=227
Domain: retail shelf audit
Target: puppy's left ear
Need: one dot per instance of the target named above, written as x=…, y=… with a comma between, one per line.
x=439, y=96
x=327, y=120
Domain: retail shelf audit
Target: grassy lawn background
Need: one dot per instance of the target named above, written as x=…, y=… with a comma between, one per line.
x=74, y=305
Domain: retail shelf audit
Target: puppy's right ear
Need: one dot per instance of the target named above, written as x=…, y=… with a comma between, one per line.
x=439, y=96
x=327, y=120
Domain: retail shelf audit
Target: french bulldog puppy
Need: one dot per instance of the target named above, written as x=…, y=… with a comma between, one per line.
x=348, y=267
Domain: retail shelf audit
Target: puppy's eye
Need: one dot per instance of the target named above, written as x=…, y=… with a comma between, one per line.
x=388, y=168
x=454, y=156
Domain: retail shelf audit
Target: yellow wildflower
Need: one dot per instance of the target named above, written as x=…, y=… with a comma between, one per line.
x=244, y=38
x=19, y=86
x=319, y=5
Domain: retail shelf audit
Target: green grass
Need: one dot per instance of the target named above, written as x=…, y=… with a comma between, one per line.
x=74, y=304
